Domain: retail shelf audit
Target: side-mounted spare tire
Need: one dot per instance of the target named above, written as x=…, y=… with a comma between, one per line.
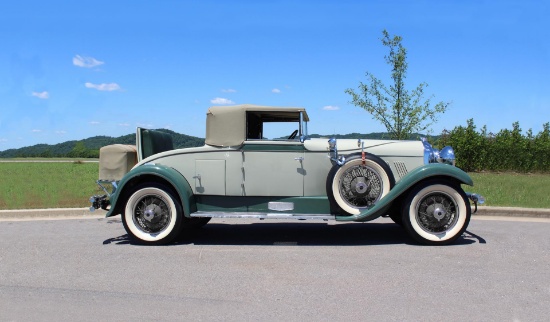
x=358, y=184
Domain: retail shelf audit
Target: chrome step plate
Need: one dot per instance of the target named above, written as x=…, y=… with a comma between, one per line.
x=262, y=215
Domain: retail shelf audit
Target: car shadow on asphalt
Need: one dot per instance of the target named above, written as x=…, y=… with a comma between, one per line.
x=299, y=234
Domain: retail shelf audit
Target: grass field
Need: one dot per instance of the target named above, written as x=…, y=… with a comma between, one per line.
x=35, y=185
x=513, y=189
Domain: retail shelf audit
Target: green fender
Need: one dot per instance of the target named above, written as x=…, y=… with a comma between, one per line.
x=408, y=181
x=173, y=177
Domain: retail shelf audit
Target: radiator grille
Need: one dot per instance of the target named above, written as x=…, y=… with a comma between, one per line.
x=401, y=168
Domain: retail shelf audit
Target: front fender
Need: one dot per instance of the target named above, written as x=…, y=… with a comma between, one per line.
x=407, y=182
x=155, y=173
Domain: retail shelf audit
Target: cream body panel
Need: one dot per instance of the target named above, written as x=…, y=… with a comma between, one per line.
x=184, y=161
x=401, y=156
x=210, y=177
x=273, y=173
x=378, y=147
x=316, y=165
x=278, y=173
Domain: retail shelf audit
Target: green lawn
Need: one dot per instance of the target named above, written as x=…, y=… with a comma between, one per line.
x=35, y=185
x=28, y=185
x=512, y=189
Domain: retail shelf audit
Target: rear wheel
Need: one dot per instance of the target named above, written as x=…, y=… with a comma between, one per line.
x=153, y=214
x=436, y=212
x=357, y=185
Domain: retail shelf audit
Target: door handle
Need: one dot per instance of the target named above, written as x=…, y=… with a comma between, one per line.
x=299, y=159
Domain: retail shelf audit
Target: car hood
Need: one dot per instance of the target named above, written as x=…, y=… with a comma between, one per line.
x=378, y=147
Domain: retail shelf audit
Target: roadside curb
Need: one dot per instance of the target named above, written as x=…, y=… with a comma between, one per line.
x=60, y=213
x=512, y=212
x=52, y=213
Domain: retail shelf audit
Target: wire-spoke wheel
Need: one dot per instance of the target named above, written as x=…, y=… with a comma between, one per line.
x=357, y=185
x=152, y=215
x=436, y=212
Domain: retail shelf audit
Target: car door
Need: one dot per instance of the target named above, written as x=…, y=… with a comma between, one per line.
x=272, y=168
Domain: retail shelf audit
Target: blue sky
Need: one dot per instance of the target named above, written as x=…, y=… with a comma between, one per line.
x=72, y=69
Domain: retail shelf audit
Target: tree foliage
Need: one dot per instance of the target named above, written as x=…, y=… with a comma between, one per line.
x=401, y=111
x=507, y=150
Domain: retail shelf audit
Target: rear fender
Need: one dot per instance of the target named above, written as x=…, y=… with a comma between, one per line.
x=153, y=173
x=407, y=182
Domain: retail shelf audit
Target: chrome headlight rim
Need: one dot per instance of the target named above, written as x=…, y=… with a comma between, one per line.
x=431, y=155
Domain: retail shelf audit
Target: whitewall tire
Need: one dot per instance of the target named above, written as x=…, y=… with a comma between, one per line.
x=436, y=212
x=357, y=185
x=152, y=215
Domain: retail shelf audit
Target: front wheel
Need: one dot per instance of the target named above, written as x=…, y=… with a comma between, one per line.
x=436, y=212
x=153, y=214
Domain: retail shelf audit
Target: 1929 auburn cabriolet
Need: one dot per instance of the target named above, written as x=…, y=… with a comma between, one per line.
x=240, y=173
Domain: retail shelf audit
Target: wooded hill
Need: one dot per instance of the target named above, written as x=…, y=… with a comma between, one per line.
x=89, y=148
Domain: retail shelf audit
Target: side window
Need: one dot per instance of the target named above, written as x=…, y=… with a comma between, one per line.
x=253, y=127
x=280, y=130
x=279, y=126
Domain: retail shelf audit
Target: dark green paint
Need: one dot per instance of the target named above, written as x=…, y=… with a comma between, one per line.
x=302, y=205
x=273, y=147
x=170, y=175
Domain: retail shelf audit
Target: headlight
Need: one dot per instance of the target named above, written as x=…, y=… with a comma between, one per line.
x=447, y=155
x=431, y=155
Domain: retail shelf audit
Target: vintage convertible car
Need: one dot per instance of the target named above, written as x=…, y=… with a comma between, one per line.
x=243, y=172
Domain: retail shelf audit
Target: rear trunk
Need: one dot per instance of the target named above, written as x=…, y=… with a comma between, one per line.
x=115, y=161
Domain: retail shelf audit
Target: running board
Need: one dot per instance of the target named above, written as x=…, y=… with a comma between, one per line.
x=262, y=215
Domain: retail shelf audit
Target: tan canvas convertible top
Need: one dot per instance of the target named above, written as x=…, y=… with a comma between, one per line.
x=226, y=125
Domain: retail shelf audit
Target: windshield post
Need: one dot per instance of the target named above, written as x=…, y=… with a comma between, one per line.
x=303, y=128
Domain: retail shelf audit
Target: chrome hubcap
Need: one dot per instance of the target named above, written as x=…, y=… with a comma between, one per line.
x=436, y=212
x=360, y=186
x=152, y=214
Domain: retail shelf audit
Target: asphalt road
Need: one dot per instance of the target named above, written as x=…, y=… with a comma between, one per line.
x=251, y=270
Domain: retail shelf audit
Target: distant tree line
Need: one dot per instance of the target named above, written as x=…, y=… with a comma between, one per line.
x=89, y=148
x=507, y=150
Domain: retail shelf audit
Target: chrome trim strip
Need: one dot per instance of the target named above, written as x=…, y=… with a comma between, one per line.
x=280, y=206
x=261, y=215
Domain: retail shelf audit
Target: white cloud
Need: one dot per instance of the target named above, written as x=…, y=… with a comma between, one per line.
x=86, y=62
x=94, y=122
x=104, y=87
x=331, y=108
x=42, y=95
x=221, y=101
x=123, y=124
x=2, y=140
x=36, y=131
x=276, y=91
x=229, y=90
x=61, y=132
